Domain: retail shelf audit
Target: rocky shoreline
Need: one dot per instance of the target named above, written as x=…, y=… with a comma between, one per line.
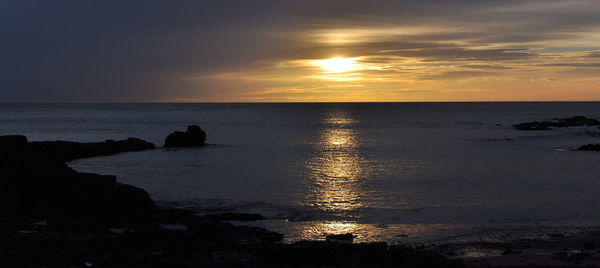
x=537, y=247
x=180, y=239
x=54, y=216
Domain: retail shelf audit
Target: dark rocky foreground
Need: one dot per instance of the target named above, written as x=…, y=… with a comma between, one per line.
x=537, y=247
x=558, y=123
x=54, y=216
x=37, y=184
x=180, y=239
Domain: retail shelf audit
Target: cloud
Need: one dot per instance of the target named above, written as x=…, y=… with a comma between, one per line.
x=486, y=66
x=150, y=50
x=590, y=65
x=595, y=54
x=457, y=75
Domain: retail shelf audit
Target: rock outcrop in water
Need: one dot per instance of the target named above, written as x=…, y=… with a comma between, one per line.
x=193, y=137
x=574, y=121
x=589, y=147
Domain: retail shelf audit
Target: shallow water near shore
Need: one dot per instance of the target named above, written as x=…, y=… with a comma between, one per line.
x=395, y=172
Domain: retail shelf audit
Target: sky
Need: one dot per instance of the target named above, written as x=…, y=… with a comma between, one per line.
x=296, y=51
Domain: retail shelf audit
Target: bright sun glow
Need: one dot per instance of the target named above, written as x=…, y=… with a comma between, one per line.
x=338, y=65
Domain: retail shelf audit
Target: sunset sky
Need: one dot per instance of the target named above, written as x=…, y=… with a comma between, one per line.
x=289, y=51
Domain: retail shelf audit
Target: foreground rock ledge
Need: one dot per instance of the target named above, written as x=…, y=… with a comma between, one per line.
x=36, y=184
x=68, y=150
x=199, y=243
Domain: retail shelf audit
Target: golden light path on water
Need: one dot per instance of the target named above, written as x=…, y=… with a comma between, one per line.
x=336, y=186
x=335, y=172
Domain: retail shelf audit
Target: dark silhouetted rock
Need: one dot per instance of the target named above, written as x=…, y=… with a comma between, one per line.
x=194, y=136
x=574, y=121
x=68, y=150
x=35, y=182
x=509, y=251
x=579, y=256
x=13, y=144
x=589, y=245
x=589, y=147
x=212, y=244
x=347, y=238
x=131, y=201
x=577, y=121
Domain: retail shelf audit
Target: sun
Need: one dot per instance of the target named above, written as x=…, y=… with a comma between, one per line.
x=338, y=65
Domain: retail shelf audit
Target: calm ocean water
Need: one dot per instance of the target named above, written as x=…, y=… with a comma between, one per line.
x=384, y=171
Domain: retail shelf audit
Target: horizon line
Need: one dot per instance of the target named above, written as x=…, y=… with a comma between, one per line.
x=303, y=102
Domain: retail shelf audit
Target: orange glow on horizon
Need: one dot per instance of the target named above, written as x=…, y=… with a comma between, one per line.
x=391, y=64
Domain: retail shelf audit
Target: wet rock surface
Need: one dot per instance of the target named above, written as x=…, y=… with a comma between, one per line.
x=558, y=123
x=202, y=243
x=205, y=243
x=344, y=238
x=193, y=137
x=536, y=247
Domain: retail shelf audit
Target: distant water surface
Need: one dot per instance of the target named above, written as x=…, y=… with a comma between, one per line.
x=384, y=171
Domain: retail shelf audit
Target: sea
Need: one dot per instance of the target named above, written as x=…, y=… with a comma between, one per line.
x=393, y=172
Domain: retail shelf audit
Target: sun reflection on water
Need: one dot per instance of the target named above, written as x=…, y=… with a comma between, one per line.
x=318, y=230
x=394, y=233
x=334, y=183
x=336, y=190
